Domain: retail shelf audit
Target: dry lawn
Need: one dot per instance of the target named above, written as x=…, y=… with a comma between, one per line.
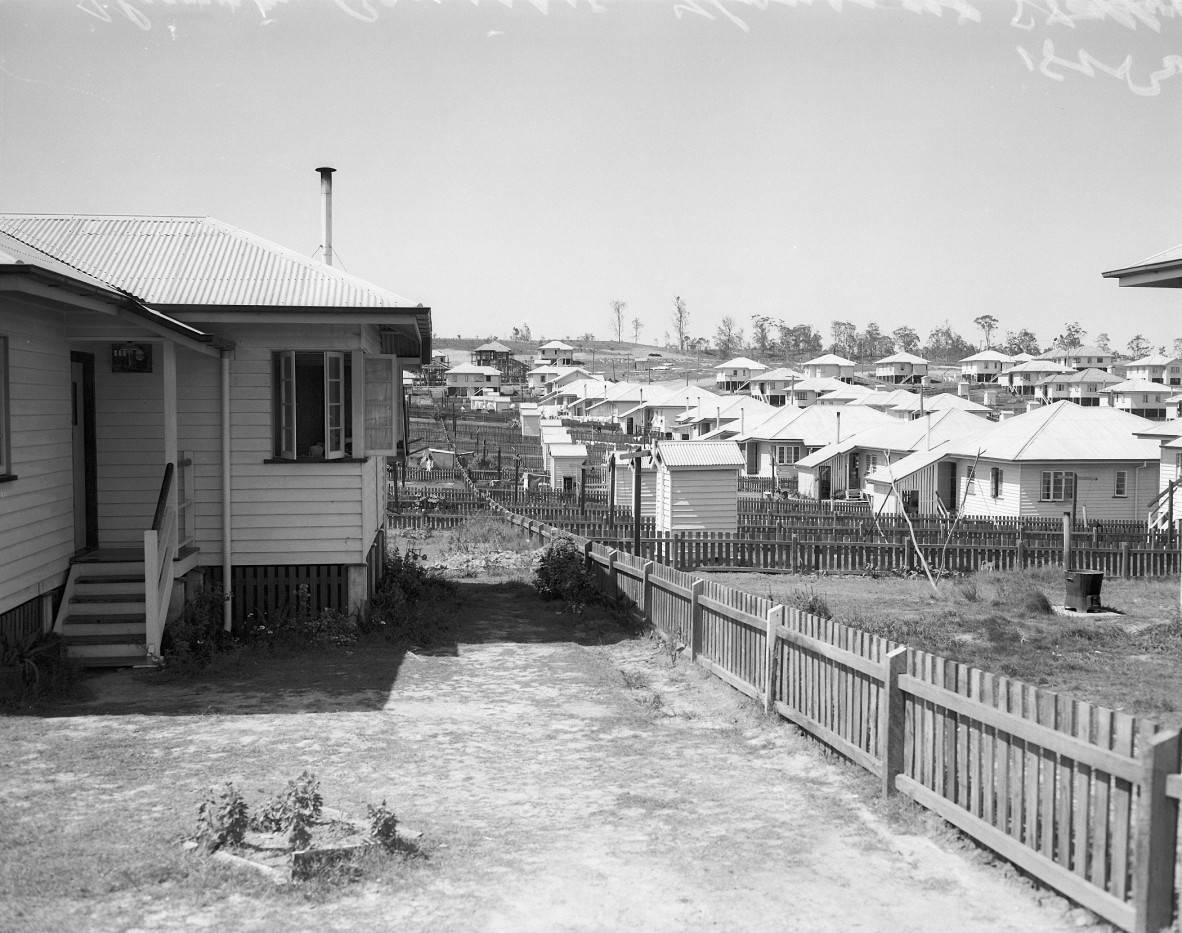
x=563, y=777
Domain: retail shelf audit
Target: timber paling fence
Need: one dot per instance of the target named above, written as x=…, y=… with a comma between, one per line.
x=1082, y=797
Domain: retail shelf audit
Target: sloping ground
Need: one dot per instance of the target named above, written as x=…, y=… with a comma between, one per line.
x=560, y=783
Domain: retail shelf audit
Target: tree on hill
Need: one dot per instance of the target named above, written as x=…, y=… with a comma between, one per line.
x=521, y=333
x=798, y=340
x=905, y=338
x=1021, y=342
x=1139, y=347
x=844, y=337
x=761, y=334
x=680, y=321
x=1072, y=336
x=637, y=327
x=947, y=346
x=618, y=318
x=988, y=324
x=728, y=338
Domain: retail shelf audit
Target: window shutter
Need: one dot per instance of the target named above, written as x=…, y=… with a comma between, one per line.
x=382, y=408
x=334, y=405
x=287, y=405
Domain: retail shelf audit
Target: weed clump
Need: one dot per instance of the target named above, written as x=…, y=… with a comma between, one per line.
x=189, y=643
x=37, y=664
x=807, y=599
x=410, y=606
x=561, y=573
x=485, y=533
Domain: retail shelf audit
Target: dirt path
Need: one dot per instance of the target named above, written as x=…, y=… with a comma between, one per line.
x=559, y=786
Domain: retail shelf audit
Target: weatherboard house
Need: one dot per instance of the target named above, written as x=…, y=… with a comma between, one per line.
x=182, y=401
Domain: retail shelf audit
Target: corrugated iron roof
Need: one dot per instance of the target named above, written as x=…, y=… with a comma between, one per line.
x=193, y=261
x=699, y=453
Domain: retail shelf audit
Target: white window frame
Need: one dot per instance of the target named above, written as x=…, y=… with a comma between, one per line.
x=1056, y=486
x=333, y=389
x=787, y=454
x=1120, y=484
x=383, y=405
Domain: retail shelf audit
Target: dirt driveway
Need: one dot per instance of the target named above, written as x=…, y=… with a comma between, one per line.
x=560, y=784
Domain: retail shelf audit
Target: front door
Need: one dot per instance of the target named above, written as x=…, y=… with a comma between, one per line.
x=946, y=484
x=83, y=451
x=823, y=483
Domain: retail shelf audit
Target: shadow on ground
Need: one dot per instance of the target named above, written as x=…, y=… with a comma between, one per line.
x=360, y=679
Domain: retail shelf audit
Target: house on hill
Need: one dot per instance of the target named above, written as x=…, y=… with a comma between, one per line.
x=1138, y=397
x=1157, y=367
x=1083, y=387
x=984, y=366
x=830, y=366
x=556, y=353
x=1056, y=458
x=468, y=379
x=901, y=368
x=181, y=400
x=775, y=386
x=1081, y=358
x=736, y=375
x=1023, y=378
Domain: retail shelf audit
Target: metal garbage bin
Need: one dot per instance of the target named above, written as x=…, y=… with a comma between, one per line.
x=1083, y=590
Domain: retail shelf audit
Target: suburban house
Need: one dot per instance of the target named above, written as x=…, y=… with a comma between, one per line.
x=621, y=397
x=775, y=386
x=1156, y=367
x=807, y=391
x=622, y=482
x=1168, y=504
x=736, y=375
x=901, y=368
x=984, y=366
x=1056, y=458
x=844, y=396
x=1082, y=387
x=1023, y=378
x=830, y=366
x=1081, y=358
x=500, y=357
x=884, y=400
x=182, y=401
x=469, y=379
x=916, y=406
x=434, y=372
x=566, y=465
x=576, y=396
x=773, y=447
x=658, y=413
x=1139, y=397
x=697, y=485
x=543, y=379
x=728, y=414
x=556, y=353
x=837, y=470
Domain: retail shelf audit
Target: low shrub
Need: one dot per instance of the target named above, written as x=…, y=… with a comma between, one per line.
x=486, y=533
x=561, y=573
x=807, y=599
x=411, y=605
x=37, y=667
x=189, y=643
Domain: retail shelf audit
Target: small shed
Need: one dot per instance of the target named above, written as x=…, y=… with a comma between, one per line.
x=697, y=485
x=566, y=460
x=622, y=480
x=531, y=420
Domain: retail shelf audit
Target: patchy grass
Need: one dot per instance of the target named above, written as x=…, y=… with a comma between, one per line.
x=1005, y=623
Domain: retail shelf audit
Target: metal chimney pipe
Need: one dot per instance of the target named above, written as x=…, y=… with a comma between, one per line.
x=326, y=211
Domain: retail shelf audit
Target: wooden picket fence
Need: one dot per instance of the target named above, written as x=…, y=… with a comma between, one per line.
x=1080, y=796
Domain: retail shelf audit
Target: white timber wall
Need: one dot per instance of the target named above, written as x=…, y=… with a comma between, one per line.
x=1094, y=491
x=648, y=489
x=697, y=499
x=980, y=499
x=286, y=513
x=37, y=508
x=199, y=429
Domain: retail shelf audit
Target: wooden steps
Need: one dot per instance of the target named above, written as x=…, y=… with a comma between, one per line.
x=106, y=623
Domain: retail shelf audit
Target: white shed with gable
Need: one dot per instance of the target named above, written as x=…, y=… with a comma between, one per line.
x=697, y=485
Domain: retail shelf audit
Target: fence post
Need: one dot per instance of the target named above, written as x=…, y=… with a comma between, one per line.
x=1157, y=835
x=646, y=593
x=611, y=573
x=792, y=553
x=1125, y=570
x=695, y=617
x=775, y=618
x=892, y=723
x=588, y=563
x=1020, y=558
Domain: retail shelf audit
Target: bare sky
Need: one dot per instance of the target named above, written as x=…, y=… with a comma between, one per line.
x=508, y=162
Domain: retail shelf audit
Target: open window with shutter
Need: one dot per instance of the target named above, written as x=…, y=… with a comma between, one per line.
x=383, y=406
x=312, y=404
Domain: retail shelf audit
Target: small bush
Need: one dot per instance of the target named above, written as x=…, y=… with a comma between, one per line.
x=300, y=626
x=222, y=820
x=412, y=603
x=807, y=599
x=561, y=573
x=383, y=826
x=294, y=811
x=40, y=664
x=190, y=642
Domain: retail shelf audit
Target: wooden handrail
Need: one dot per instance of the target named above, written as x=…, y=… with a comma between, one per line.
x=162, y=501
